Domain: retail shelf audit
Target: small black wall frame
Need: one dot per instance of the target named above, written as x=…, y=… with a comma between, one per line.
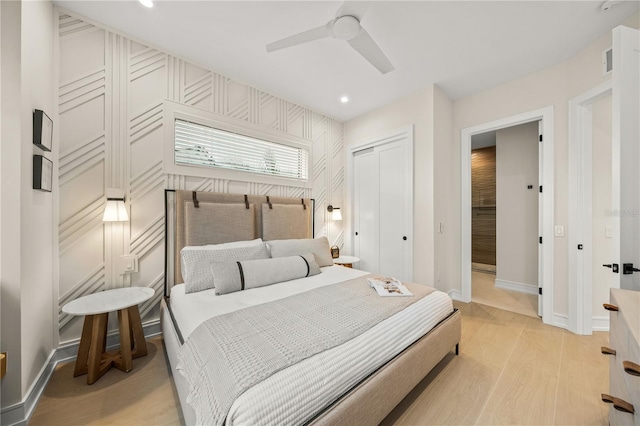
x=42, y=173
x=42, y=130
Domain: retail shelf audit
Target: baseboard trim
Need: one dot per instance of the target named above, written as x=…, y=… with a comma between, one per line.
x=514, y=286
x=20, y=413
x=600, y=323
x=456, y=295
x=561, y=321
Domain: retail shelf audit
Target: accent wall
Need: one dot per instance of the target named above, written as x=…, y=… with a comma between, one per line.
x=111, y=93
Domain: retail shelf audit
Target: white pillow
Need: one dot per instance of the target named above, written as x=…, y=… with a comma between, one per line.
x=318, y=246
x=233, y=244
x=222, y=246
x=243, y=275
x=196, y=270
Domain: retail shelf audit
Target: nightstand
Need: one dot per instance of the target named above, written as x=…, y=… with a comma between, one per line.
x=346, y=261
x=92, y=358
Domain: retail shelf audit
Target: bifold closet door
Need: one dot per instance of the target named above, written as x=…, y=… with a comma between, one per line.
x=382, y=194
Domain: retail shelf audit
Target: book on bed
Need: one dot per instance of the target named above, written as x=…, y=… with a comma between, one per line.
x=388, y=287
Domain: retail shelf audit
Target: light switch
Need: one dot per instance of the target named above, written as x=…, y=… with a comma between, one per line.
x=128, y=264
x=608, y=231
x=559, y=231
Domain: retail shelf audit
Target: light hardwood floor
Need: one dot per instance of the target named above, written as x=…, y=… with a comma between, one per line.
x=512, y=369
x=484, y=291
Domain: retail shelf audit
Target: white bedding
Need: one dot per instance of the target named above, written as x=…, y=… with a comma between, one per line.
x=294, y=395
x=192, y=309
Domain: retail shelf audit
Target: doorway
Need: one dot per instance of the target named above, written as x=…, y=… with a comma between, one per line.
x=504, y=231
x=545, y=204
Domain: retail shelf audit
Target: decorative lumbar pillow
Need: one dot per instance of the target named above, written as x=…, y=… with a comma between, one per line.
x=243, y=275
x=318, y=246
x=195, y=263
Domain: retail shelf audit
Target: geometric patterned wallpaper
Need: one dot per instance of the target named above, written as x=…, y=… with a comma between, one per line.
x=111, y=94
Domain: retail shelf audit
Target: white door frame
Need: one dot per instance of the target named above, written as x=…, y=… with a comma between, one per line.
x=581, y=209
x=547, y=178
x=402, y=134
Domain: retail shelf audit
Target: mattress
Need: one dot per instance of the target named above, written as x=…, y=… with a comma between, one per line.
x=296, y=394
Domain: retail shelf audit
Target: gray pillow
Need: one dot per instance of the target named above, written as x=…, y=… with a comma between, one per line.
x=196, y=270
x=243, y=275
x=318, y=246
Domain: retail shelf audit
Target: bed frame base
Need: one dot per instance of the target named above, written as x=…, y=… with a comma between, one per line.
x=376, y=396
x=372, y=399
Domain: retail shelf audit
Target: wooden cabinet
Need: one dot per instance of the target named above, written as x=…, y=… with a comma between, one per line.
x=624, y=350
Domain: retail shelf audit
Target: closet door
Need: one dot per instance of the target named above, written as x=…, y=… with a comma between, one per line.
x=382, y=201
x=366, y=217
x=393, y=196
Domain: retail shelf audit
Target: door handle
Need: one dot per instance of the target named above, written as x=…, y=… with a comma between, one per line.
x=615, y=268
x=627, y=268
x=631, y=368
x=607, y=351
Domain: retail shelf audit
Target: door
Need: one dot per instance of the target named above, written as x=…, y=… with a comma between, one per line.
x=540, y=217
x=626, y=157
x=383, y=204
x=365, y=203
x=394, y=241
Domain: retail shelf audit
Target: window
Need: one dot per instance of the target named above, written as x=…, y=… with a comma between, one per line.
x=200, y=145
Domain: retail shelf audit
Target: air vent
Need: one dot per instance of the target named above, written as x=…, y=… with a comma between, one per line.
x=607, y=61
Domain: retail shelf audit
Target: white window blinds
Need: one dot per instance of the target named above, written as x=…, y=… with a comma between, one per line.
x=198, y=145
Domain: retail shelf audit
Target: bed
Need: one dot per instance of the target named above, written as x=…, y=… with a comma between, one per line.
x=358, y=381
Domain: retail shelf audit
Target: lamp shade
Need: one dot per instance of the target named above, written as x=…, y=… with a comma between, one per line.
x=115, y=211
x=336, y=214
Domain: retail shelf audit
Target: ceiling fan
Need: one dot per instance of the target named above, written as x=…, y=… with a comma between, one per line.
x=345, y=26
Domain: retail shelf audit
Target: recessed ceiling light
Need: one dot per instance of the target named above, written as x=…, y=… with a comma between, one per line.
x=146, y=3
x=344, y=99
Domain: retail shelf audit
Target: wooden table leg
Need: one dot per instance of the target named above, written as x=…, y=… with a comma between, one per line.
x=137, y=335
x=83, y=349
x=125, y=363
x=96, y=366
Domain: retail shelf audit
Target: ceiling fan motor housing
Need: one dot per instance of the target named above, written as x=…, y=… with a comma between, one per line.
x=346, y=27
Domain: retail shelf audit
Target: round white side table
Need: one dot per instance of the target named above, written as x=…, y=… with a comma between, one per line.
x=346, y=261
x=92, y=358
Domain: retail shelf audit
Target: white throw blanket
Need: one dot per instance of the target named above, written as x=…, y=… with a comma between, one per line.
x=230, y=353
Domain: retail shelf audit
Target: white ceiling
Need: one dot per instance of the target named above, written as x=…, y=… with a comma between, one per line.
x=464, y=47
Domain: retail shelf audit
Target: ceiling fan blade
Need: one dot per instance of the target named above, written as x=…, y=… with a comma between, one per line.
x=357, y=9
x=300, y=38
x=364, y=45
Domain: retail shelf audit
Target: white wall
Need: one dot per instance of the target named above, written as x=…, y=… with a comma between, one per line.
x=601, y=201
x=111, y=94
x=37, y=207
x=430, y=112
x=27, y=215
x=553, y=86
x=10, y=167
x=416, y=109
x=516, y=205
x=444, y=204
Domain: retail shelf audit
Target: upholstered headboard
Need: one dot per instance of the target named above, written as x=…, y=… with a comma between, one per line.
x=195, y=218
